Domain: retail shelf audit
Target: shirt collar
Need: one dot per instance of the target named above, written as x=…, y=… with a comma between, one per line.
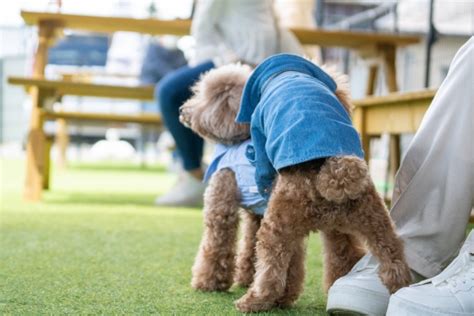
x=271, y=67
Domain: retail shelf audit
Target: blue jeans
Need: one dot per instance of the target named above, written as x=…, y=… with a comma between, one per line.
x=171, y=92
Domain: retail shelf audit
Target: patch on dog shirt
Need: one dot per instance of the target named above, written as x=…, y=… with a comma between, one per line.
x=234, y=158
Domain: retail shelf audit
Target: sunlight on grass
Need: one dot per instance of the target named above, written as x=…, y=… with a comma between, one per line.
x=97, y=245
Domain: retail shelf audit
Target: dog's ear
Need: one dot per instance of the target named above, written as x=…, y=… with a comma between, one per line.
x=225, y=85
x=343, y=178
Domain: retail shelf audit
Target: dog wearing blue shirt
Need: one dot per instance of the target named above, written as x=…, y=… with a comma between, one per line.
x=308, y=166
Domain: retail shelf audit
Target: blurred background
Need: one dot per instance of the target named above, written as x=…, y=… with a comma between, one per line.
x=118, y=58
x=95, y=242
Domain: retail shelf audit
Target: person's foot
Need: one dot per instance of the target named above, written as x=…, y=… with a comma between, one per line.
x=449, y=293
x=188, y=191
x=360, y=292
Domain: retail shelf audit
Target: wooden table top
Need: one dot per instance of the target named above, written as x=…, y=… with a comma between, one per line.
x=397, y=98
x=105, y=24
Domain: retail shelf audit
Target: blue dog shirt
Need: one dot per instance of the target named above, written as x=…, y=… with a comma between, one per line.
x=234, y=158
x=295, y=117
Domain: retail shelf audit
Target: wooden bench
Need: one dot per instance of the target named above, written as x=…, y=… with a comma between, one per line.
x=368, y=45
x=394, y=114
x=45, y=93
x=381, y=47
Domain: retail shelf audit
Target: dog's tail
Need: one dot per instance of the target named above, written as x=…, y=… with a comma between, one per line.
x=343, y=178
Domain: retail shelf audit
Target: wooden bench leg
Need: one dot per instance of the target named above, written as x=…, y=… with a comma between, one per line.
x=389, y=54
x=35, y=154
x=36, y=144
x=35, y=151
x=394, y=154
x=47, y=163
x=62, y=142
x=371, y=80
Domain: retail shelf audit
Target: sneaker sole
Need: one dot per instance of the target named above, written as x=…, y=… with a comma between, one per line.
x=351, y=300
x=342, y=312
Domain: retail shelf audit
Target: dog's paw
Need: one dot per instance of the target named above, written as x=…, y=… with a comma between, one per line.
x=286, y=301
x=395, y=276
x=250, y=303
x=210, y=285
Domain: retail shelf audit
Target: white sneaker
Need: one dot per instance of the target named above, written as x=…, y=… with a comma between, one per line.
x=449, y=293
x=360, y=292
x=188, y=191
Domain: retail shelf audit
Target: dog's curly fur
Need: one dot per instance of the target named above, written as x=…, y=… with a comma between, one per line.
x=211, y=113
x=335, y=196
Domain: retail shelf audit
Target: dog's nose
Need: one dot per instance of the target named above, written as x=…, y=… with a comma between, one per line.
x=180, y=110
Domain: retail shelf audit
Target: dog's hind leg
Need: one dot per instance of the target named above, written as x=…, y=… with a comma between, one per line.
x=214, y=264
x=295, y=276
x=372, y=221
x=245, y=268
x=341, y=252
x=283, y=226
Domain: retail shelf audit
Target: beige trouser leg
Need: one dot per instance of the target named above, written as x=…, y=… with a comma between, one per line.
x=434, y=187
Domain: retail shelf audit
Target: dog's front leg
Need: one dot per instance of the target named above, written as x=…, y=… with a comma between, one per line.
x=283, y=227
x=214, y=264
x=245, y=269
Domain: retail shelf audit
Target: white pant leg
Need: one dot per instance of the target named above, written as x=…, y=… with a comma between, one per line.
x=434, y=187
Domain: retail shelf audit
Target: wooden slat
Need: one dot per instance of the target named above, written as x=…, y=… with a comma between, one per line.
x=422, y=97
x=106, y=24
x=87, y=89
x=398, y=119
x=350, y=39
x=396, y=113
x=151, y=119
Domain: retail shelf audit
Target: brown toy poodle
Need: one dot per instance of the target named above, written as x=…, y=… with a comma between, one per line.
x=333, y=195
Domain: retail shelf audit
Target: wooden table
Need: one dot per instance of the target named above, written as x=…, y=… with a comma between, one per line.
x=394, y=114
x=366, y=44
x=50, y=26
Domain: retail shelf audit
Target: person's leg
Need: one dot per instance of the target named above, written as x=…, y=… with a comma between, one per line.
x=171, y=92
x=433, y=195
x=434, y=187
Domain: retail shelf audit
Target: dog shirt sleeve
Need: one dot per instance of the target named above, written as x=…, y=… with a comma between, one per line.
x=264, y=171
x=219, y=152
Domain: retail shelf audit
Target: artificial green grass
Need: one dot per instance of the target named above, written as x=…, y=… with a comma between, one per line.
x=97, y=245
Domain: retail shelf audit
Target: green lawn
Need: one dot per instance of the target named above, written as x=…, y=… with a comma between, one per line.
x=97, y=245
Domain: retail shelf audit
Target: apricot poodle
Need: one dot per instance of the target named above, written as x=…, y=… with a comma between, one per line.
x=332, y=194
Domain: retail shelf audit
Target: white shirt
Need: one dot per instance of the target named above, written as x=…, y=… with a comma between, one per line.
x=228, y=30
